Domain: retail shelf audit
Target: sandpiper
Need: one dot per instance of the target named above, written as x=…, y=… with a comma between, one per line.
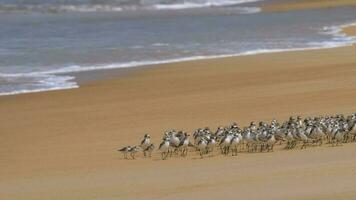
x=271, y=140
x=133, y=151
x=149, y=149
x=164, y=147
x=234, y=143
x=225, y=143
x=125, y=151
x=145, y=143
x=183, y=145
x=338, y=135
x=211, y=144
x=202, y=145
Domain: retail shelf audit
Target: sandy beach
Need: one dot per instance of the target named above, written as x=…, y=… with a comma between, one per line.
x=62, y=144
x=351, y=30
x=306, y=4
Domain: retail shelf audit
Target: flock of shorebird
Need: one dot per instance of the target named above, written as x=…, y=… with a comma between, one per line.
x=260, y=137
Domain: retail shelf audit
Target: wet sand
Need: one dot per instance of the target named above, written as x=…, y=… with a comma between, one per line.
x=351, y=30
x=62, y=144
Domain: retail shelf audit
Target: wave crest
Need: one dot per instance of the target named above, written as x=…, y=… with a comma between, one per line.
x=113, y=5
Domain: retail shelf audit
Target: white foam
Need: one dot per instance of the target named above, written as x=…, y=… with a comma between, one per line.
x=37, y=83
x=211, y=3
x=339, y=37
x=36, y=90
x=88, y=8
x=160, y=44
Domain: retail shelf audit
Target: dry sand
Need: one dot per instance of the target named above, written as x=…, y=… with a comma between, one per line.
x=61, y=144
x=281, y=6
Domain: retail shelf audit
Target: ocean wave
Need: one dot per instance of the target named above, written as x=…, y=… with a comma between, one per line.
x=34, y=83
x=339, y=37
x=58, y=78
x=216, y=3
x=59, y=8
x=116, y=6
x=160, y=44
x=336, y=31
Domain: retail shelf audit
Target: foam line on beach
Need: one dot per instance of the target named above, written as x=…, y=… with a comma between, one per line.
x=37, y=90
x=42, y=82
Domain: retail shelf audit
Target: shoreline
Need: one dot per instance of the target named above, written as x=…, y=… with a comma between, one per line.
x=86, y=76
x=62, y=144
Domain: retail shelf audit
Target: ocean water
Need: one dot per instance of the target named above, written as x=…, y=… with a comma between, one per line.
x=41, y=41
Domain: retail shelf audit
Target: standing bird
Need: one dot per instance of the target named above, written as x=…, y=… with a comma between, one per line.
x=145, y=143
x=125, y=151
x=133, y=151
x=202, y=145
x=301, y=136
x=164, y=148
x=225, y=143
x=338, y=135
x=183, y=145
x=271, y=140
x=234, y=143
x=211, y=144
x=149, y=149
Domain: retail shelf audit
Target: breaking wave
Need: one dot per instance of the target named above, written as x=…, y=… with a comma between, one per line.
x=55, y=6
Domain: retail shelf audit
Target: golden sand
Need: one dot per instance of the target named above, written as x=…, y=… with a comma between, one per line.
x=306, y=4
x=350, y=30
x=62, y=144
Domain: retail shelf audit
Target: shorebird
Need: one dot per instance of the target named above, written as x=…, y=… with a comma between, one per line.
x=164, y=148
x=338, y=135
x=202, y=145
x=253, y=126
x=271, y=140
x=317, y=134
x=248, y=138
x=125, y=151
x=133, y=151
x=183, y=145
x=211, y=144
x=220, y=132
x=301, y=136
x=145, y=143
x=149, y=149
x=279, y=133
x=234, y=143
x=174, y=140
x=225, y=143
x=329, y=132
x=290, y=139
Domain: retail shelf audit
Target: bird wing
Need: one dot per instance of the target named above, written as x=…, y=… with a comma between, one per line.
x=123, y=149
x=162, y=143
